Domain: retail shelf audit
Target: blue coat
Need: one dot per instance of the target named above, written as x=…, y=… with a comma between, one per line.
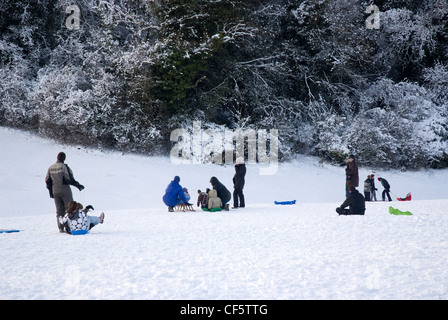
x=173, y=194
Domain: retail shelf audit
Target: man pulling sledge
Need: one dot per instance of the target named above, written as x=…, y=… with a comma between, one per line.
x=386, y=191
x=58, y=180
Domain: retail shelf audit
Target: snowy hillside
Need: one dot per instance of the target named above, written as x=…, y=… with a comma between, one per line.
x=264, y=251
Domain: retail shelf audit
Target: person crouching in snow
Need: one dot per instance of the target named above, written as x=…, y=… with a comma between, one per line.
x=355, y=201
x=222, y=191
x=174, y=194
x=77, y=219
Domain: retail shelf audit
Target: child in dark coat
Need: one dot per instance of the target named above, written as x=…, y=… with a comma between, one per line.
x=203, y=198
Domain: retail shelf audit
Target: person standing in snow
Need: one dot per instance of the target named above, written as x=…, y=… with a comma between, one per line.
x=367, y=188
x=174, y=194
x=222, y=192
x=351, y=174
x=373, y=188
x=386, y=190
x=355, y=201
x=238, y=183
x=58, y=180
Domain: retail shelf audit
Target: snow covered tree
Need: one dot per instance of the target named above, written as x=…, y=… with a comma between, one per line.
x=124, y=73
x=25, y=42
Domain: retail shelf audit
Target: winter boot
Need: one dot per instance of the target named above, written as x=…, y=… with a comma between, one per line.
x=101, y=217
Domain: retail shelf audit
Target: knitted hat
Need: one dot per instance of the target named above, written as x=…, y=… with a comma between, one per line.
x=239, y=160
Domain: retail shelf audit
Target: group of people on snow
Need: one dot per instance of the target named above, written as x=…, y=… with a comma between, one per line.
x=71, y=216
x=354, y=199
x=215, y=199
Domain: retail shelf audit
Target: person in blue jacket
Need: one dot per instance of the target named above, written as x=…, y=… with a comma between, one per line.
x=174, y=194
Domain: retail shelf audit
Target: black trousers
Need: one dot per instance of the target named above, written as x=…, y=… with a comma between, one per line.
x=238, y=196
x=367, y=196
x=346, y=212
x=386, y=192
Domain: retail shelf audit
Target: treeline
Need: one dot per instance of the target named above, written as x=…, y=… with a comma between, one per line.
x=334, y=77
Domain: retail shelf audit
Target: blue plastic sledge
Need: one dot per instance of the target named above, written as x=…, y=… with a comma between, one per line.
x=79, y=232
x=8, y=230
x=285, y=202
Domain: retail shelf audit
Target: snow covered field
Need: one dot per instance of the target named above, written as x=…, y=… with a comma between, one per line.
x=304, y=251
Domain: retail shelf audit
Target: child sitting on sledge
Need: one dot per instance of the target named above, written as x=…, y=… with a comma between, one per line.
x=187, y=196
x=76, y=218
x=184, y=204
x=407, y=198
x=214, y=202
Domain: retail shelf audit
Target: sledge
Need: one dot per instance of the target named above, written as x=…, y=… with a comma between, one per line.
x=184, y=207
x=407, y=198
x=398, y=212
x=8, y=230
x=285, y=202
x=79, y=232
x=212, y=209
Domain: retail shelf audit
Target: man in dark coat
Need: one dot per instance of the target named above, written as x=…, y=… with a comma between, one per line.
x=355, y=201
x=386, y=190
x=222, y=192
x=351, y=174
x=238, y=183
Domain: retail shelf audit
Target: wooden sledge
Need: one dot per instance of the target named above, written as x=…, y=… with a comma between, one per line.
x=184, y=207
